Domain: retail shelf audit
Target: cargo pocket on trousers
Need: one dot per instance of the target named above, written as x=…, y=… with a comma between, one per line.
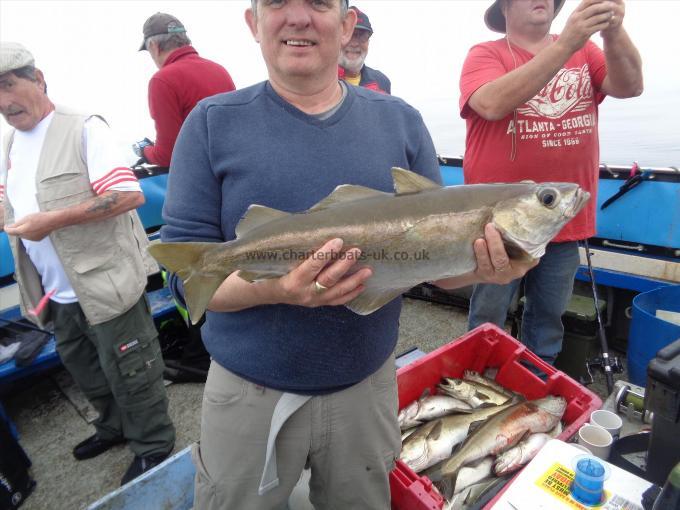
x=205, y=490
x=140, y=364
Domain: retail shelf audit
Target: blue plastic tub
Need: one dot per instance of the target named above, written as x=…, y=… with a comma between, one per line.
x=648, y=334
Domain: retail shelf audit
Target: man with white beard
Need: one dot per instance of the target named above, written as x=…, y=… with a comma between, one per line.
x=351, y=66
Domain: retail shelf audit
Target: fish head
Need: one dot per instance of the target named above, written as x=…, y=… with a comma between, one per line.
x=552, y=405
x=531, y=218
x=414, y=452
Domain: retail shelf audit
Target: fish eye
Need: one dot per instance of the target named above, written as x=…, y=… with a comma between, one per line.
x=548, y=197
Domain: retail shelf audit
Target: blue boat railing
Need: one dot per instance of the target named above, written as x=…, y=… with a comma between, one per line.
x=644, y=222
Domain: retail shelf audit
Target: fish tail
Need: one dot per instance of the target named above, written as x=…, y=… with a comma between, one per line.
x=185, y=259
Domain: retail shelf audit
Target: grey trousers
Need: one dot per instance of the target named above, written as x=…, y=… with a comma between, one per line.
x=119, y=367
x=350, y=440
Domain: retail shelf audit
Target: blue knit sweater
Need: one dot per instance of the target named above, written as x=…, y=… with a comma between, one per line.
x=252, y=147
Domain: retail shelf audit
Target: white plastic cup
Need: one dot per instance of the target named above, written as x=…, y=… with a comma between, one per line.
x=597, y=439
x=609, y=421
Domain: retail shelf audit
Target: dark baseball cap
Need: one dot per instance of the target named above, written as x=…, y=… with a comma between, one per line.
x=362, y=20
x=161, y=23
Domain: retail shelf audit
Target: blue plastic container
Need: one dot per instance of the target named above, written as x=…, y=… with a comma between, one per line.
x=589, y=477
x=648, y=334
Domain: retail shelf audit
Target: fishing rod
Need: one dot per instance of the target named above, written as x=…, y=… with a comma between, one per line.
x=606, y=361
x=615, y=170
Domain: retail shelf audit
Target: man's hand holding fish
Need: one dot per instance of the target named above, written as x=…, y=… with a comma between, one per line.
x=493, y=263
x=298, y=287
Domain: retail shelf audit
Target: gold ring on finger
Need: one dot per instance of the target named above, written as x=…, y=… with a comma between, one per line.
x=318, y=288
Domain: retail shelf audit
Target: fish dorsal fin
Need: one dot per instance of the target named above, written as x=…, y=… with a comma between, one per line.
x=347, y=193
x=406, y=181
x=257, y=215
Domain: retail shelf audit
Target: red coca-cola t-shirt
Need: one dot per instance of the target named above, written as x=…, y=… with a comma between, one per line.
x=556, y=133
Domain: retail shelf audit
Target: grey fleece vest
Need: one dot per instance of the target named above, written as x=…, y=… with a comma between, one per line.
x=105, y=261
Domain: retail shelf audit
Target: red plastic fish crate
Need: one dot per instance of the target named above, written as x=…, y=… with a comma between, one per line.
x=489, y=347
x=412, y=492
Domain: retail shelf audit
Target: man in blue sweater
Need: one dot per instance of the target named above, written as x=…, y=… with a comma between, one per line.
x=296, y=379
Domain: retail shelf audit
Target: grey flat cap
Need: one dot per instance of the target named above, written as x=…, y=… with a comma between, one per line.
x=14, y=56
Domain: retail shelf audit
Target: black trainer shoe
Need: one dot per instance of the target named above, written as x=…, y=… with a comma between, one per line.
x=142, y=465
x=95, y=445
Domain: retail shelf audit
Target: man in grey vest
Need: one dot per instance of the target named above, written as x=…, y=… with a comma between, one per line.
x=69, y=212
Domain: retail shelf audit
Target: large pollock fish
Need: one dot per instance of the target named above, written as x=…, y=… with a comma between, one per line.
x=476, y=377
x=475, y=394
x=423, y=232
x=429, y=407
x=504, y=430
x=435, y=441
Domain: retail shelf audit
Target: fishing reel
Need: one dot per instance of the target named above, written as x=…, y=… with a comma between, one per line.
x=632, y=404
x=599, y=363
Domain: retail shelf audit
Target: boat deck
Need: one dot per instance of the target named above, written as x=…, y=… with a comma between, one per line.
x=50, y=425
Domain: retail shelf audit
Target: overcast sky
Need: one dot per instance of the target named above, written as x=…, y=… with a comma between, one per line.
x=88, y=51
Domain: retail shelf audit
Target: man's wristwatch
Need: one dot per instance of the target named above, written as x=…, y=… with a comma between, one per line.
x=138, y=147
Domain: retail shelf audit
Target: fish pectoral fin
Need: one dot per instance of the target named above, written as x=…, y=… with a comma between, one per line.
x=257, y=215
x=185, y=259
x=556, y=430
x=425, y=394
x=482, y=396
x=198, y=291
x=371, y=299
x=436, y=431
x=252, y=276
x=406, y=181
x=346, y=193
x=475, y=425
x=523, y=437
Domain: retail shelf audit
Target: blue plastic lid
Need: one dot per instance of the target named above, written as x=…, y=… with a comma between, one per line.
x=590, y=467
